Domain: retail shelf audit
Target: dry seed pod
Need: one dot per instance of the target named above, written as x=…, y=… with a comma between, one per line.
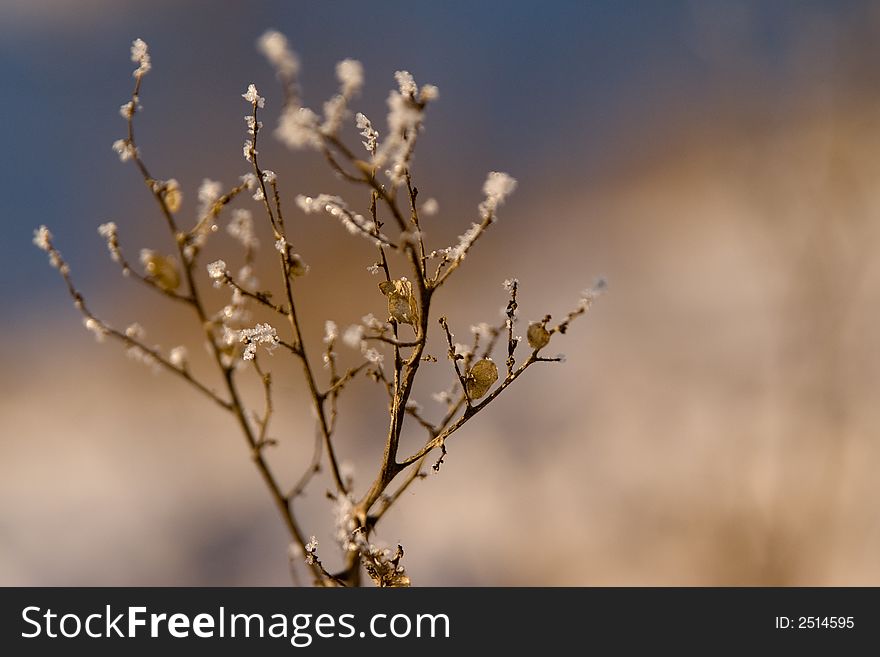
x=161, y=269
x=538, y=335
x=402, y=306
x=480, y=378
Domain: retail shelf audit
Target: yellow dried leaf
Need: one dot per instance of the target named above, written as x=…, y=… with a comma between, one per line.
x=297, y=266
x=402, y=306
x=162, y=270
x=480, y=378
x=538, y=335
x=172, y=195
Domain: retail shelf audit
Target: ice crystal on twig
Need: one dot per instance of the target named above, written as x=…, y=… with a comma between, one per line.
x=273, y=45
x=391, y=216
x=253, y=97
x=141, y=56
x=261, y=334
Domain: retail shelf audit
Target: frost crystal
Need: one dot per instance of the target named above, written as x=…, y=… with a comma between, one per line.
x=135, y=331
x=253, y=97
x=209, y=193
x=42, y=238
x=252, y=124
x=125, y=149
x=311, y=549
x=241, y=227
x=298, y=128
x=371, y=354
x=43, y=241
x=465, y=241
x=430, y=207
x=483, y=330
x=261, y=334
x=497, y=188
x=141, y=355
x=331, y=332
x=405, y=111
x=217, y=271
x=250, y=181
x=248, y=150
x=96, y=328
x=406, y=83
x=404, y=118
x=429, y=93
x=274, y=47
x=236, y=310
x=590, y=294
x=369, y=320
x=350, y=74
x=345, y=522
x=370, y=135
x=335, y=110
x=107, y=231
x=353, y=336
x=336, y=207
x=141, y=57
x=178, y=356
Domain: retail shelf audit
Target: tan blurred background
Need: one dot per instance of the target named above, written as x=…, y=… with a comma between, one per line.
x=715, y=422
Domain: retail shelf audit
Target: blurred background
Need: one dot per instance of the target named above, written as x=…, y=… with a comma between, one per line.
x=716, y=420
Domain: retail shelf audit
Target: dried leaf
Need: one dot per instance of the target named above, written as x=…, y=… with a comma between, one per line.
x=538, y=335
x=297, y=266
x=173, y=196
x=402, y=306
x=480, y=378
x=162, y=270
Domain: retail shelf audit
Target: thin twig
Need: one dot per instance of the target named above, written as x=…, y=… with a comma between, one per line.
x=284, y=256
x=281, y=502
